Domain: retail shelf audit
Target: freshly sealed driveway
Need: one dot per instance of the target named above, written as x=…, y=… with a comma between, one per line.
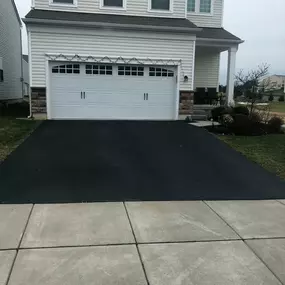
x=87, y=161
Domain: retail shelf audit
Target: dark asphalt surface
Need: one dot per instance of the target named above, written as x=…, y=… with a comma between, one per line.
x=86, y=161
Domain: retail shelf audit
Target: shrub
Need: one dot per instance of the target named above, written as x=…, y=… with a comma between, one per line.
x=271, y=98
x=20, y=109
x=226, y=120
x=217, y=112
x=281, y=98
x=260, y=97
x=274, y=124
x=243, y=110
x=247, y=125
x=241, y=124
x=255, y=117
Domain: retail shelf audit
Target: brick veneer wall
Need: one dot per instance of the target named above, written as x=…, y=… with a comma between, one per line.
x=38, y=96
x=186, y=102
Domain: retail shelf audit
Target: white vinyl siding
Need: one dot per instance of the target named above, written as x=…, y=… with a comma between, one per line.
x=133, y=7
x=207, y=65
x=116, y=44
x=10, y=52
x=213, y=20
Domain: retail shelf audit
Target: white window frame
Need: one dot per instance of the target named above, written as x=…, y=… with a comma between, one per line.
x=51, y=3
x=170, y=11
x=197, y=9
x=124, y=8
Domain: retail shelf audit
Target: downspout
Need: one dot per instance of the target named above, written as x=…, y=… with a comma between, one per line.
x=22, y=70
x=30, y=72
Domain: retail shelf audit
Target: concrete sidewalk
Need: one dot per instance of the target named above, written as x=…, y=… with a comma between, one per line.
x=140, y=243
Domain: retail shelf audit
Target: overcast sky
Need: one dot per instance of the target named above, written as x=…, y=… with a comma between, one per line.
x=261, y=23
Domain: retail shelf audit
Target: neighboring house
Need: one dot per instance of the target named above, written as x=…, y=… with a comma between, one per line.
x=10, y=52
x=273, y=82
x=26, y=75
x=276, y=95
x=125, y=59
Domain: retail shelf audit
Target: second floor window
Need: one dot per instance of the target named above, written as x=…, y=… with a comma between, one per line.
x=160, y=5
x=63, y=1
x=113, y=3
x=205, y=6
x=199, y=6
x=191, y=5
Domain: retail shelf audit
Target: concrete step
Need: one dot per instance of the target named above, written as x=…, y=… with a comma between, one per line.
x=200, y=112
x=199, y=117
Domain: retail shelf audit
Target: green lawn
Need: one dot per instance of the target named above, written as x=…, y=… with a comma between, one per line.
x=12, y=133
x=278, y=107
x=268, y=151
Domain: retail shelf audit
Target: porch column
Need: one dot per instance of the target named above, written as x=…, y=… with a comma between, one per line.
x=231, y=74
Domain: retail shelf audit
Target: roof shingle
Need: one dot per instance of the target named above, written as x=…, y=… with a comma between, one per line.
x=139, y=21
x=112, y=19
x=216, y=33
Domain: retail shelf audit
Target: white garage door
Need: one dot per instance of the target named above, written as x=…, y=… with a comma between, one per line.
x=106, y=91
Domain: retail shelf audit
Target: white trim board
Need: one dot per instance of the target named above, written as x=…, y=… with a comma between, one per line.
x=120, y=34
x=113, y=59
x=194, y=59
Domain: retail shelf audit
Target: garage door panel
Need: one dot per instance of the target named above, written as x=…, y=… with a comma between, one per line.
x=64, y=112
x=115, y=90
x=122, y=113
x=112, y=92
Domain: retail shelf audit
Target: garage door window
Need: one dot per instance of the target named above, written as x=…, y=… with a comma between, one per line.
x=99, y=69
x=156, y=71
x=68, y=68
x=129, y=70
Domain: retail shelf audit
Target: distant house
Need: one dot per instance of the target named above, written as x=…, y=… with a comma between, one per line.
x=273, y=82
x=11, y=73
x=276, y=94
x=26, y=75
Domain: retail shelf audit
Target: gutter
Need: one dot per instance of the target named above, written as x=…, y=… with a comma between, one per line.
x=220, y=40
x=109, y=25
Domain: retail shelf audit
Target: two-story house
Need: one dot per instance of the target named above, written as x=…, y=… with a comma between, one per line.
x=11, y=86
x=124, y=59
x=273, y=82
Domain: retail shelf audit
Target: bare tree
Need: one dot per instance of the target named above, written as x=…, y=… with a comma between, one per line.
x=250, y=82
x=253, y=76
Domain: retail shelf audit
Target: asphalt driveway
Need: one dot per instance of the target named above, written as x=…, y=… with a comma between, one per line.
x=88, y=161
